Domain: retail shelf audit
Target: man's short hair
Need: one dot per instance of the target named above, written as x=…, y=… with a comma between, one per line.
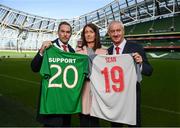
x=64, y=23
x=112, y=22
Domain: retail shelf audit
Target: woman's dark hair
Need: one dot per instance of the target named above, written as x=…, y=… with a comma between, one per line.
x=97, y=36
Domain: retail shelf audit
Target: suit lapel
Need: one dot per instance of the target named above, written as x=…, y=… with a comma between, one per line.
x=126, y=48
x=110, y=50
x=56, y=41
x=70, y=48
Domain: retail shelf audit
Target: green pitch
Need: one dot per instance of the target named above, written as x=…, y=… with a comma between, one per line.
x=19, y=92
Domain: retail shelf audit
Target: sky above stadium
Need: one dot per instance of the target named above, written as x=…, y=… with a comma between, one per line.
x=58, y=9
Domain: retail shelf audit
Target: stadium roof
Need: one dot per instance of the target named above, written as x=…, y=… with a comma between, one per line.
x=129, y=12
x=21, y=30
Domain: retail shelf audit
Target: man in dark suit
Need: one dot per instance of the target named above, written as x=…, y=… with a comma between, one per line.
x=122, y=46
x=64, y=33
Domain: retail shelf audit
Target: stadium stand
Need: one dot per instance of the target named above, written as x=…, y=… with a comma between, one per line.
x=146, y=21
x=163, y=25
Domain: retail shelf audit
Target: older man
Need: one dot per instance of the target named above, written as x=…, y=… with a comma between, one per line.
x=122, y=46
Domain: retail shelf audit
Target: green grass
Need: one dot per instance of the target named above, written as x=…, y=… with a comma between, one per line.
x=19, y=92
x=15, y=54
x=160, y=94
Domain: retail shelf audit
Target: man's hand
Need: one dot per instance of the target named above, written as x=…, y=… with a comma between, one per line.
x=45, y=45
x=137, y=57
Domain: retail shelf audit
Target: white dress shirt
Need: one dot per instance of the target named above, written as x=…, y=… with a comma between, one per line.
x=121, y=46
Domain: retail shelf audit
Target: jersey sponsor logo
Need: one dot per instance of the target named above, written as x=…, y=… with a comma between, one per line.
x=62, y=60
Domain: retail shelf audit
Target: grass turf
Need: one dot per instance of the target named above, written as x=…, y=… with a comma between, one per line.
x=19, y=91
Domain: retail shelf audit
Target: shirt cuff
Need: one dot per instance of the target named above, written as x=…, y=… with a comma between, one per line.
x=40, y=54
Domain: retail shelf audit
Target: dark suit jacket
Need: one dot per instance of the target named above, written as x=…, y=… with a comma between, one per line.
x=37, y=61
x=132, y=48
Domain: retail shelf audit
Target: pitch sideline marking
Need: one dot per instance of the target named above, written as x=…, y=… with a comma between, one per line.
x=16, y=78
x=161, y=109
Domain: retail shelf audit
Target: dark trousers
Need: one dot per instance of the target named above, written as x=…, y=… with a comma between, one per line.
x=56, y=120
x=88, y=121
x=138, y=107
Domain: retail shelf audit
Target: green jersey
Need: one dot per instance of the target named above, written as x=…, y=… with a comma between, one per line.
x=63, y=75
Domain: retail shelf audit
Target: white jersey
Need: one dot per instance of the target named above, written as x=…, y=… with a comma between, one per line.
x=113, y=84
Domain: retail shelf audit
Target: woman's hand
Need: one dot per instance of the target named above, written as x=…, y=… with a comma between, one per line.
x=101, y=51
